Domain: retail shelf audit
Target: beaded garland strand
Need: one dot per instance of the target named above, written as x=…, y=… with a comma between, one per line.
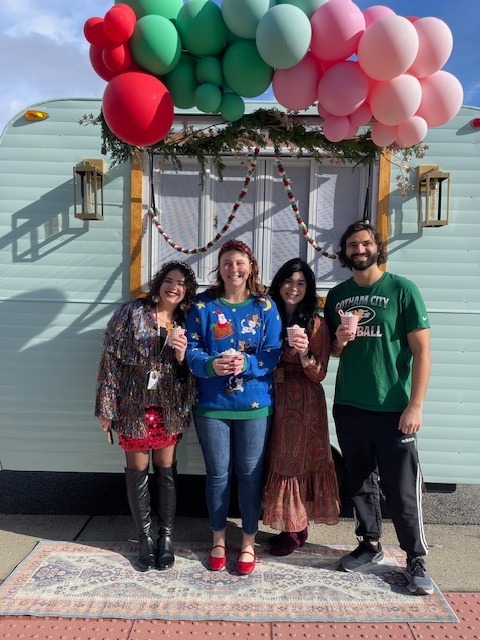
x=154, y=213
x=295, y=209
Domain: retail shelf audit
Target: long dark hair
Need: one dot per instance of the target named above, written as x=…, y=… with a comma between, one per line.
x=308, y=307
x=217, y=290
x=191, y=285
x=355, y=228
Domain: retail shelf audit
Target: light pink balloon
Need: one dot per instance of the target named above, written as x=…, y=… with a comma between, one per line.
x=352, y=132
x=442, y=97
x=362, y=116
x=388, y=47
x=336, y=128
x=397, y=100
x=383, y=135
x=435, y=46
x=374, y=13
x=323, y=113
x=343, y=88
x=296, y=88
x=411, y=132
x=336, y=29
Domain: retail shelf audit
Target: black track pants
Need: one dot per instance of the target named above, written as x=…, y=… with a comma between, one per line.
x=373, y=446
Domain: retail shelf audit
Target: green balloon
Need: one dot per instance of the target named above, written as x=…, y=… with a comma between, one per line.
x=232, y=107
x=244, y=70
x=209, y=70
x=182, y=82
x=307, y=6
x=283, y=36
x=208, y=98
x=155, y=44
x=201, y=27
x=167, y=8
x=243, y=16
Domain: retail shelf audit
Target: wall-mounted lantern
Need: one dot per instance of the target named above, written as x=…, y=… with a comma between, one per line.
x=88, y=189
x=434, y=196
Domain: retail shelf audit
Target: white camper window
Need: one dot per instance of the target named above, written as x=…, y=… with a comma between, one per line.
x=330, y=197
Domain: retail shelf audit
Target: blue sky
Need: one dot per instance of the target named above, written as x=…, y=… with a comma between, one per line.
x=43, y=53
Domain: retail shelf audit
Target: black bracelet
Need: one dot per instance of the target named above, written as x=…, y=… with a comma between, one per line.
x=309, y=355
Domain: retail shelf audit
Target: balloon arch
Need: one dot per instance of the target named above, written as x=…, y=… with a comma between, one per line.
x=358, y=68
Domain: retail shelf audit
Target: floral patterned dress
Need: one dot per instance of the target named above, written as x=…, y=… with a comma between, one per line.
x=301, y=483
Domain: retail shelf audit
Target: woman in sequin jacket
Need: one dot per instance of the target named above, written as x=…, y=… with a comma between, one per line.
x=144, y=393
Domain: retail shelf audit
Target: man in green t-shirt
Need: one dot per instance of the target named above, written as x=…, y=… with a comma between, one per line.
x=380, y=387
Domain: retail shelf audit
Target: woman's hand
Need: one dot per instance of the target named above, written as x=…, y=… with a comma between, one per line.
x=229, y=365
x=301, y=344
x=105, y=423
x=179, y=345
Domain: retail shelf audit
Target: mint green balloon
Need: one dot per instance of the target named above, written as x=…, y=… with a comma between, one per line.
x=242, y=16
x=232, y=107
x=208, y=98
x=244, y=70
x=201, y=28
x=283, y=36
x=155, y=44
x=182, y=82
x=209, y=70
x=166, y=8
x=307, y=6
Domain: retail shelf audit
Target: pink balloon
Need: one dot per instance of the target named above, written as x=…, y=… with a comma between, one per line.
x=119, y=22
x=411, y=132
x=336, y=128
x=343, y=88
x=435, y=46
x=388, y=47
x=352, y=132
x=337, y=27
x=118, y=58
x=362, y=116
x=383, y=135
x=323, y=113
x=296, y=88
x=397, y=100
x=442, y=97
x=374, y=13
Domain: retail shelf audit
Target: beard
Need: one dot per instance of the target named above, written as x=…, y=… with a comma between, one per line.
x=361, y=265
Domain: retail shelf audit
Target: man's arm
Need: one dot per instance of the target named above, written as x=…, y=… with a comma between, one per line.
x=419, y=342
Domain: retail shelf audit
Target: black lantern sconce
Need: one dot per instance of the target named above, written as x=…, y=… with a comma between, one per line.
x=88, y=179
x=434, y=196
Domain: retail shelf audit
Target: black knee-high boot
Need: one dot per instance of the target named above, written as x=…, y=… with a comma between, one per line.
x=139, y=502
x=166, y=506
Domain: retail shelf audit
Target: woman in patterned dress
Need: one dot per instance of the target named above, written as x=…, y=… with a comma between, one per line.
x=301, y=484
x=145, y=393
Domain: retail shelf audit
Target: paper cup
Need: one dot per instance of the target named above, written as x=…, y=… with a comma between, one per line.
x=174, y=333
x=351, y=322
x=292, y=332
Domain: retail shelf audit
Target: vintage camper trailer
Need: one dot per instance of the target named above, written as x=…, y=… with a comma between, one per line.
x=64, y=273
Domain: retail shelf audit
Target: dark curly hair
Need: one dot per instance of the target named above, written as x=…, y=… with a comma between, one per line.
x=355, y=228
x=217, y=290
x=190, y=284
x=308, y=307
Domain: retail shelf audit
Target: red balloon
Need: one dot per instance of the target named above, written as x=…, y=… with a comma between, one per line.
x=99, y=66
x=119, y=23
x=94, y=32
x=138, y=108
x=117, y=57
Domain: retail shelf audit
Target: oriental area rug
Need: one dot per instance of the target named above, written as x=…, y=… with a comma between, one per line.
x=98, y=580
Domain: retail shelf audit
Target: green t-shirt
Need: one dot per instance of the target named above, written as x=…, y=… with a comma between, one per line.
x=374, y=372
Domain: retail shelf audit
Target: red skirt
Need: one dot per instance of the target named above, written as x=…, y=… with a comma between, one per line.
x=156, y=438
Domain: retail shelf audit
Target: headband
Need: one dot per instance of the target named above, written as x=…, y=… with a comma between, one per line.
x=236, y=245
x=177, y=264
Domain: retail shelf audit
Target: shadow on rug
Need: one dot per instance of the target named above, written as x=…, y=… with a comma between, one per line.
x=65, y=579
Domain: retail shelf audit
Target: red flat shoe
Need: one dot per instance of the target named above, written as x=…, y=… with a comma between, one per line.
x=245, y=568
x=216, y=564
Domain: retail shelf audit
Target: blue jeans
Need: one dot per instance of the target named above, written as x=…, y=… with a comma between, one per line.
x=227, y=445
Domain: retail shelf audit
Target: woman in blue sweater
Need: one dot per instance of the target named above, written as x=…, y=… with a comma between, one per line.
x=234, y=344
